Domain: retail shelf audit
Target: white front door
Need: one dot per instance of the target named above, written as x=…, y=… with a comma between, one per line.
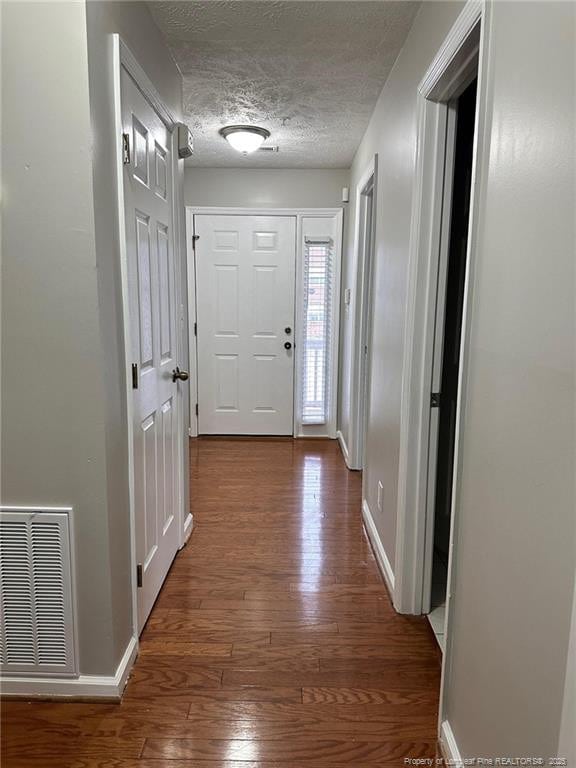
x=245, y=277
x=153, y=328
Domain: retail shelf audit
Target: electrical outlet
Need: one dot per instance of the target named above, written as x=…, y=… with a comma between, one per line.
x=380, y=494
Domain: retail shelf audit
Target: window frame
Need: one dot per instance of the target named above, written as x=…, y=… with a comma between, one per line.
x=316, y=315
x=315, y=224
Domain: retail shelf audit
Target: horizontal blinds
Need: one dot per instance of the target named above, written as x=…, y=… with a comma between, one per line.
x=318, y=267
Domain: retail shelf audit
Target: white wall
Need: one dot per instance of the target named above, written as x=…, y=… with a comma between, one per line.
x=265, y=187
x=514, y=569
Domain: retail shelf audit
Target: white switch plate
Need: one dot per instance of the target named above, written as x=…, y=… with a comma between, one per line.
x=380, y=492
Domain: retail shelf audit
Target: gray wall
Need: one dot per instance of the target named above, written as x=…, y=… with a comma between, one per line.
x=514, y=568
x=265, y=187
x=53, y=388
x=64, y=422
x=392, y=134
x=132, y=20
x=567, y=744
x=515, y=545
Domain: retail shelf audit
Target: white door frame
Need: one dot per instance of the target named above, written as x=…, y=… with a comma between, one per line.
x=446, y=77
x=123, y=58
x=438, y=275
x=299, y=214
x=362, y=325
x=192, y=338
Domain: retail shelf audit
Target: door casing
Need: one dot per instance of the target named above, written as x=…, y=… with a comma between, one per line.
x=362, y=307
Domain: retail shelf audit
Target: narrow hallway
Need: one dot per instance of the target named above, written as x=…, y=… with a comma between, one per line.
x=273, y=641
x=320, y=235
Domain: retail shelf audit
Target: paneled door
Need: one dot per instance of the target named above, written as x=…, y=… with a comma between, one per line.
x=245, y=278
x=153, y=326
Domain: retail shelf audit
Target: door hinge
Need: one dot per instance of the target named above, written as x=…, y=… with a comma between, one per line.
x=134, y=375
x=196, y=409
x=139, y=575
x=435, y=400
x=194, y=238
x=195, y=329
x=126, y=148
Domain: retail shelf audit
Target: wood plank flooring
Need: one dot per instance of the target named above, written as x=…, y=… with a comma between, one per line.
x=273, y=643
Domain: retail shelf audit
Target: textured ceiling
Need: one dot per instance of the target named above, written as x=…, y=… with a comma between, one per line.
x=310, y=72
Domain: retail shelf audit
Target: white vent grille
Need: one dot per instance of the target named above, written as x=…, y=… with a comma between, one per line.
x=36, y=636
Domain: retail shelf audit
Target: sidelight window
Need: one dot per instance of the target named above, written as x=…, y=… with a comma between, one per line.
x=317, y=330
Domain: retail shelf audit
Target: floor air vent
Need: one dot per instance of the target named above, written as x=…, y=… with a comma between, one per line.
x=37, y=636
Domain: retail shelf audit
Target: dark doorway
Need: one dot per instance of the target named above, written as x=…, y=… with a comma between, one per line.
x=453, y=313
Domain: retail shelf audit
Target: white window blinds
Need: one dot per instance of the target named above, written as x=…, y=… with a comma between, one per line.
x=317, y=329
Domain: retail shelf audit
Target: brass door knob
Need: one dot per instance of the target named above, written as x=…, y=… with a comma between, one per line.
x=177, y=374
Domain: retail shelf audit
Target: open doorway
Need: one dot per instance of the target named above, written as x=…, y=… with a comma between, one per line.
x=441, y=248
x=447, y=343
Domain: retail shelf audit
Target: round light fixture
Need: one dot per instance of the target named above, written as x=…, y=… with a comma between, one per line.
x=244, y=138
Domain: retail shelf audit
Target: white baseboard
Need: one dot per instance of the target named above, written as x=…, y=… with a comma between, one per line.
x=449, y=747
x=81, y=687
x=381, y=556
x=343, y=447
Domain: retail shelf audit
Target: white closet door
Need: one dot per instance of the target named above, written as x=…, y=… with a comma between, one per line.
x=245, y=273
x=153, y=316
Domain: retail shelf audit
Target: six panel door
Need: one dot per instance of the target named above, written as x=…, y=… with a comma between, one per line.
x=153, y=316
x=245, y=277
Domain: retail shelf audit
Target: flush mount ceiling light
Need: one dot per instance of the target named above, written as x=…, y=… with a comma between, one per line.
x=244, y=138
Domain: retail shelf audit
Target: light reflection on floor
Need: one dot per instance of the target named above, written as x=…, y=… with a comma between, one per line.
x=311, y=551
x=244, y=747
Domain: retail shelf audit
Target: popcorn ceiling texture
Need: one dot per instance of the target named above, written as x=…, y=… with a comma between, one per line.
x=310, y=72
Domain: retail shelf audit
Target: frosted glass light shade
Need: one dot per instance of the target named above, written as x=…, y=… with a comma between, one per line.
x=244, y=138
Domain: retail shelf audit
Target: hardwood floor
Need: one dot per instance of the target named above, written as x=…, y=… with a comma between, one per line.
x=273, y=643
